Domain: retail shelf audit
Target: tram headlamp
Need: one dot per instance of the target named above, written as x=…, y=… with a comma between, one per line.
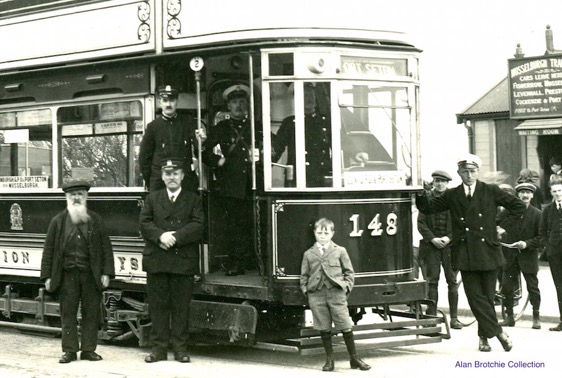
x=317, y=65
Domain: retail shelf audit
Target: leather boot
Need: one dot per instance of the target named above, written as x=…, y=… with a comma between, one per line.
x=354, y=361
x=509, y=321
x=536, y=320
x=327, y=343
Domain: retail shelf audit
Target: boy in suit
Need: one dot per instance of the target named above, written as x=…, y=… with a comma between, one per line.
x=326, y=280
x=171, y=223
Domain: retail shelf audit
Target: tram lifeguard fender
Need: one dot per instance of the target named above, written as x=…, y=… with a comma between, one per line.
x=238, y=319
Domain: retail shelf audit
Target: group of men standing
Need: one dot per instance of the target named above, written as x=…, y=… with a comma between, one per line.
x=480, y=229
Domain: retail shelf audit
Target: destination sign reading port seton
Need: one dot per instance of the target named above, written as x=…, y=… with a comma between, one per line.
x=535, y=87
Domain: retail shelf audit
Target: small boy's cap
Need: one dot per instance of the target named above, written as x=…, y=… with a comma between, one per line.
x=168, y=91
x=236, y=91
x=171, y=164
x=441, y=175
x=525, y=186
x=73, y=185
x=469, y=159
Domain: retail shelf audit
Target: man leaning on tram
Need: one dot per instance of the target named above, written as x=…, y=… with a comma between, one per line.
x=475, y=249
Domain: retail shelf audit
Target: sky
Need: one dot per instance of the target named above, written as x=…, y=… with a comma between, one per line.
x=466, y=45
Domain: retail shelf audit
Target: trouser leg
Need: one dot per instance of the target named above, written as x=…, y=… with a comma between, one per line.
x=181, y=299
x=158, y=290
x=532, y=282
x=451, y=276
x=69, y=302
x=555, y=262
x=480, y=289
x=90, y=310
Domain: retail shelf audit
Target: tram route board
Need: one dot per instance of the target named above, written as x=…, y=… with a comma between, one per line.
x=535, y=87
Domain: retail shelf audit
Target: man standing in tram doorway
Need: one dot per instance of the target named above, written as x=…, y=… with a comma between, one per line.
x=171, y=134
x=435, y=251
x=78, y=263
x=475, y=247
x=519, y=244
x=171, y=223
x=232, y=167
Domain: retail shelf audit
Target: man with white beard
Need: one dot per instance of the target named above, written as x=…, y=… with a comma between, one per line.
x=78, y=263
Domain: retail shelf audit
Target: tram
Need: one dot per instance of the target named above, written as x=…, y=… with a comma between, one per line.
x=77, y=90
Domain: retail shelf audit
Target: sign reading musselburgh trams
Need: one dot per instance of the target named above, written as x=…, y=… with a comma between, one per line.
x=535, y=87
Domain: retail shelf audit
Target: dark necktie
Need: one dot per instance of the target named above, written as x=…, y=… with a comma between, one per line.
x=469, y=195
x=172, y=198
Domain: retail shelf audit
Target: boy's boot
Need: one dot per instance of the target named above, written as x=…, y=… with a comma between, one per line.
x=536, y=319
x=354, y=361
x=327, y=343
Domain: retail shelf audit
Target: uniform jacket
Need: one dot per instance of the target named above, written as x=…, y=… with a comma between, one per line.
x=318, y=144
x=335, y=265
x=167, y=138
x=475, y=245
x=428, y=226
x=99, y=249
x=234, y=178
x=551, y=229
x=185, y=217
x=526, y=228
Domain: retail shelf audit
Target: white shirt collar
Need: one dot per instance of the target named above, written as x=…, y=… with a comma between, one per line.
x=320, y=246
x=175, y=194
x=472, y=188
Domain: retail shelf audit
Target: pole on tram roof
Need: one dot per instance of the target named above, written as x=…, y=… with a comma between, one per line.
x=196, y=65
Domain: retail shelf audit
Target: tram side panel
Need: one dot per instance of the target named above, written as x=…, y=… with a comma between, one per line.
x=377, y=235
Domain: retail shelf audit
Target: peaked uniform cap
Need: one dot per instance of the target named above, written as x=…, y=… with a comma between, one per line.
x=171, y=164
x=236, y=91
x=469, y=159
x=168, y=91
x=525, y=186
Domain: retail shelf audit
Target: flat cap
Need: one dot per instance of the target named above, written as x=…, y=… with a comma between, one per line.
x=525, y=186
x=441, y=175
x=236, y=91
x=168, y=91
x=171, y=164
x=73, y=185
x=469, y=159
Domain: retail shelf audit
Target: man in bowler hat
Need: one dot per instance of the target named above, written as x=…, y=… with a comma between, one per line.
x=171, y=223
x=475, y=247
x=171, y=134
x=435, y=251
x=78, y=263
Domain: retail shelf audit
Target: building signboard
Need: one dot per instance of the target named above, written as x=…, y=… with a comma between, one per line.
x=535, y=87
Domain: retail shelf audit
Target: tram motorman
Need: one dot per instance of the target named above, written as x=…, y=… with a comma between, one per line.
x=78, y=263
x=232, y=168
x=318, y=141
x=475, y=247
x=171, y=135
x=171, y=223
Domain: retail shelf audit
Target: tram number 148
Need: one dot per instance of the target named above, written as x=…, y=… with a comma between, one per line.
x=376, y=226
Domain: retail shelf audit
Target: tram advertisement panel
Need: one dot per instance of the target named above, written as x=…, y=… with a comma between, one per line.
x=376, y=233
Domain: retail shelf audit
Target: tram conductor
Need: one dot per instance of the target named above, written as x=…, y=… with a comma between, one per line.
x=171, y=223
x=77, y=263
x=475, y=249
x=171, y=134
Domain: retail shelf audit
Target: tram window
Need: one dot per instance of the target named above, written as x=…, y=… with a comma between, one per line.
x=100, y=143
x=376, y=120
x=26, y=149
x=281, y=64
